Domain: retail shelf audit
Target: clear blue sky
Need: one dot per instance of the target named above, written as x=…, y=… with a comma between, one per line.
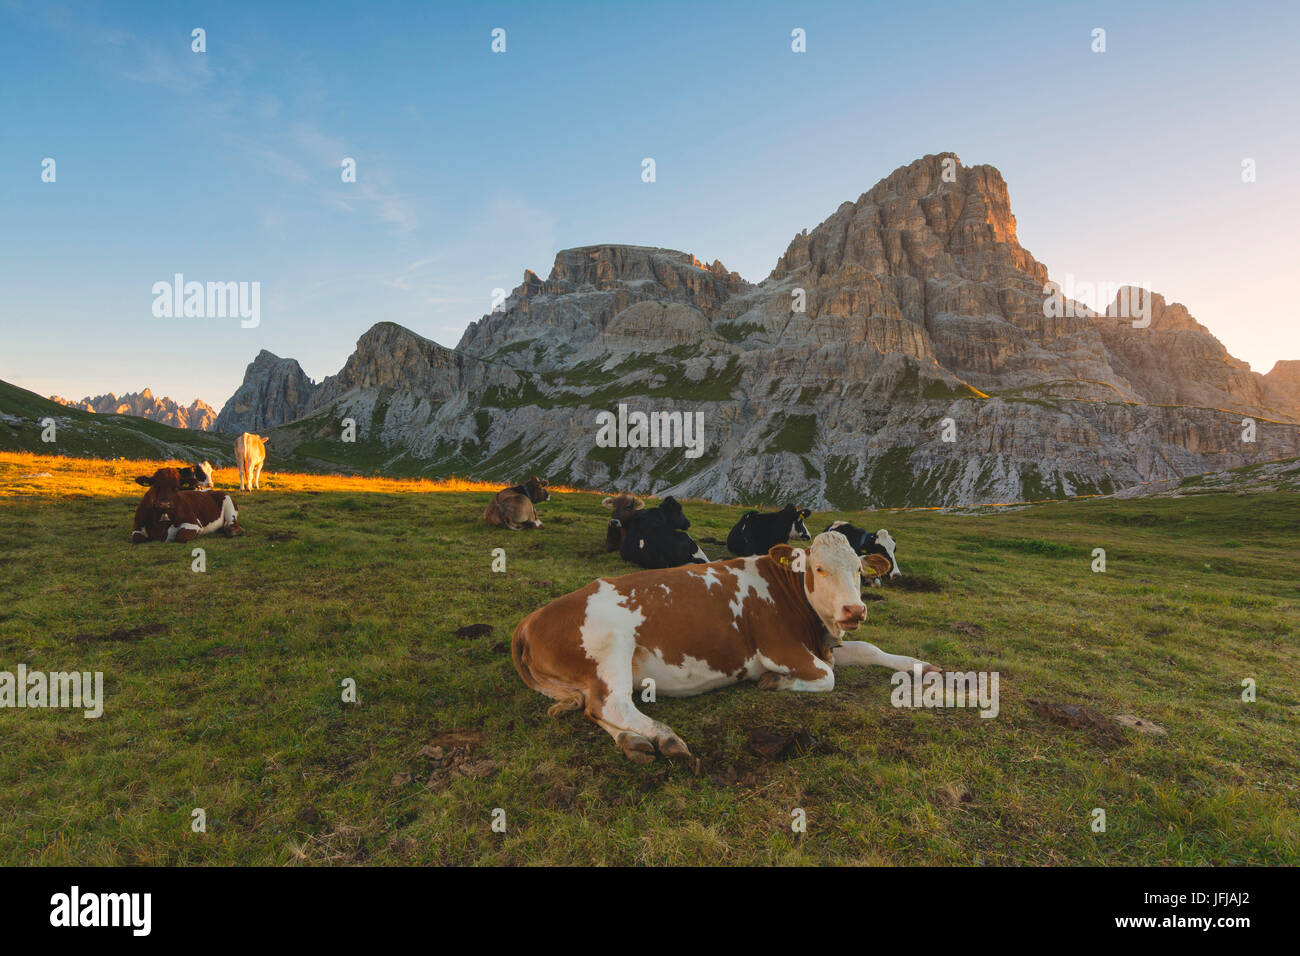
x=473, y=166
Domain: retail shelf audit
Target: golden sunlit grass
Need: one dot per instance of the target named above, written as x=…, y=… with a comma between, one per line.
x=22, y=473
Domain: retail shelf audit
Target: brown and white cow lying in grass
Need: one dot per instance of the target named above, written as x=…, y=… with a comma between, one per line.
x=166, y=513
x=776, y=619
x=513, y=507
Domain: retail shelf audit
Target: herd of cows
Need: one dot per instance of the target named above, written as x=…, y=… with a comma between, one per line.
x=685, y=625
x=180, y=504
x=775, y=614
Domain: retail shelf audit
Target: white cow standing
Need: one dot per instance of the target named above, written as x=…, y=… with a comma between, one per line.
x=250, y=455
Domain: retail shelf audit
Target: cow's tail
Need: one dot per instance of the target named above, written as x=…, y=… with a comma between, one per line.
x=568, y=696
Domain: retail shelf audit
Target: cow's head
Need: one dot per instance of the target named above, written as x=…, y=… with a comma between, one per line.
x=886, y=545
x=535, y=488
x=865, y=543
x=614, y=535
x=673, y=515
x=798, y=530
x=164, y=483
x=623, y=505
x=832, y=579
x=153, y=515
x=203, y=473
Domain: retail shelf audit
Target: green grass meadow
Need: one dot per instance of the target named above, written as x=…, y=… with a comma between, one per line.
x=223, y=692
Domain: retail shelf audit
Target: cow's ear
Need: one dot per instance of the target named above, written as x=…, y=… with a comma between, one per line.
x=804, y=513
x=639, y=504
x=145, y=480
x=875, y=565
x=781, y=554
x=608, y=503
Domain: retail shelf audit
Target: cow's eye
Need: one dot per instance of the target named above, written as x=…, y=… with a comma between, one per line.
x=821, y=570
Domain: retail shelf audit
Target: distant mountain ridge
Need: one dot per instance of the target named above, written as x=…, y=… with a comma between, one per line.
x=906, y=318
x=198, y=415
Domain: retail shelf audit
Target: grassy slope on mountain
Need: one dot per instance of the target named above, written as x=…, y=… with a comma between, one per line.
x=234, y=706
x=87, y=434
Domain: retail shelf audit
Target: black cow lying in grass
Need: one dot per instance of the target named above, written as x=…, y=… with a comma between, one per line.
x=759, y=533
x=865, y=543
x=657, y=538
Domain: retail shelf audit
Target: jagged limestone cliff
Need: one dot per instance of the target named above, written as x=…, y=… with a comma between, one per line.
x=906, y=318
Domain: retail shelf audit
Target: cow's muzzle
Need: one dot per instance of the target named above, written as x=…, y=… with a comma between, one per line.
x=851, y=615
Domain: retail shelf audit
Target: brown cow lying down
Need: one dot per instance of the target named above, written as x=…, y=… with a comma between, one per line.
x=166, y=513
x=623, y=505
x=775, y=618
x=513, y=507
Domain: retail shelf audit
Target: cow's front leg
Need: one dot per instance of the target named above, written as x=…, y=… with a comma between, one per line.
x=807, y=672
x=637, y=735
x=609, y=703
x=868, y=655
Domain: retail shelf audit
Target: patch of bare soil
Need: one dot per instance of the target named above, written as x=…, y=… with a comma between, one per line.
x=1081, y=717
x=455, y=753
x=783, y=746
x=915, y=582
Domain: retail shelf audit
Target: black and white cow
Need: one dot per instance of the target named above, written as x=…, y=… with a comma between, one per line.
x=864, y=543
x=657, y=538
x=758, y=533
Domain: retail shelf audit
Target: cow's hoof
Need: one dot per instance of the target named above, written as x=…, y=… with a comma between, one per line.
x=930, y=669
x=567, y=706
x=674, y=748
x=770, y=680
x=638, y=749
x=233, y=531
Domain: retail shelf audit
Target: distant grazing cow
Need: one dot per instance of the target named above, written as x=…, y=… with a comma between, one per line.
x=513, y=507
x=656, y=537
x=865, y=543
x=195, y=477
x=166, y=513
x=758, y=533
x=776, y=619
x=623, y=505
x=250, y=455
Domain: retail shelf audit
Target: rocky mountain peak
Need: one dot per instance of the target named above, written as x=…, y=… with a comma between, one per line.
x=930, y=219
x=571, y=311
x=275, y=390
